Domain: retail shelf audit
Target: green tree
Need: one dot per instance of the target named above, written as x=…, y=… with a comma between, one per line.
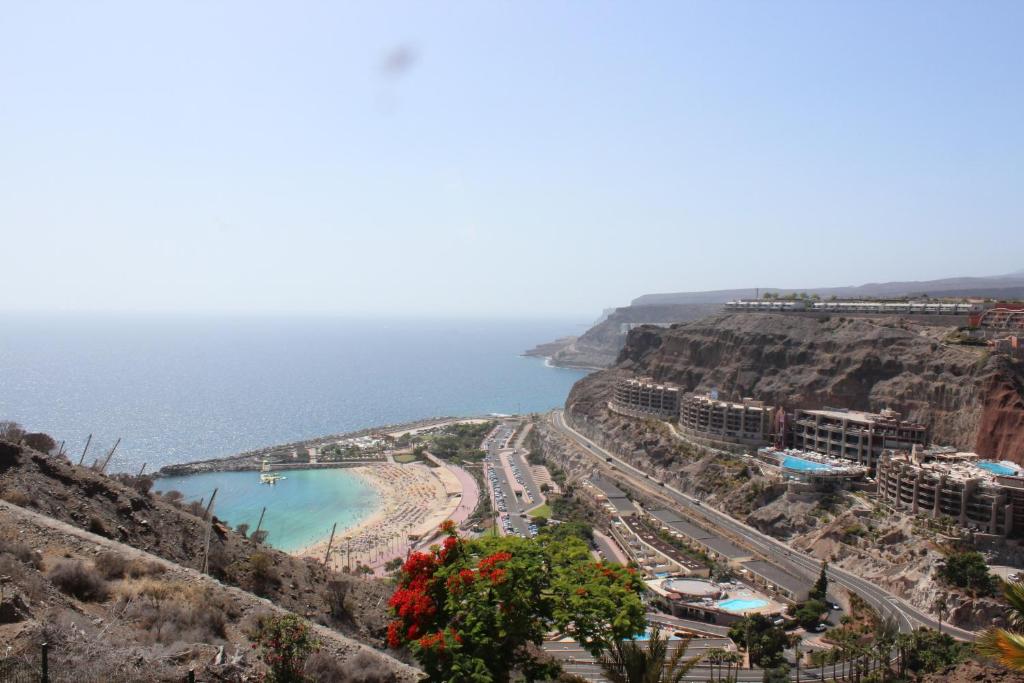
x=1006, y=645
x=968, y=570
x=285, y=643
x=477, y=610
x=808, y=614
x=626, y=661
x=820, y=588
x=764, y=640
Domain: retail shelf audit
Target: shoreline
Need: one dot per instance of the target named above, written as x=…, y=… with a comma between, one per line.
x=414, y=500
x=252, y=460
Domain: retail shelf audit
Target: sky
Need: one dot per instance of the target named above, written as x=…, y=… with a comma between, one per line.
x=499, y=158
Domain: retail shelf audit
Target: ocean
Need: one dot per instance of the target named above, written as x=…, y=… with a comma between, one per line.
x=183, y=388
x=300, y=509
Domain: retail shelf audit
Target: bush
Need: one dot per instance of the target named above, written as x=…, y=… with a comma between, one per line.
x=363, y=668
x=98, y=527
x=37, y=441
x=969, y=571
x=15, y=498
x=171, y=612
x=261, y=566
x=285, y=643
x=22, y=553
x=139, y=568
x=80, y=581
x=112, y=565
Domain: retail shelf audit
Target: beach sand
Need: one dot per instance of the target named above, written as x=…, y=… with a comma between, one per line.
x=414, y=500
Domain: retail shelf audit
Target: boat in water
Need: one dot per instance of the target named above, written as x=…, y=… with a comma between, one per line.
x=268, y=477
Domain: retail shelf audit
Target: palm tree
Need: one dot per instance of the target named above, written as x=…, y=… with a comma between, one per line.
x=626, y=661
x=886, y=631
x=1004, y=645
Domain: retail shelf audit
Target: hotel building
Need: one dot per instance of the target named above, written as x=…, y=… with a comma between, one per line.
x=748, y=422
x=985, y=496
x=855, y=435
x=643, y=397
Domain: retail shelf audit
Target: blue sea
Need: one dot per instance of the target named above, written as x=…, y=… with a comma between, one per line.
x=182, y=388
x=300, y=509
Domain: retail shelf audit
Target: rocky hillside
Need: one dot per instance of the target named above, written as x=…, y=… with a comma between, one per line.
x=111, y=612
x=969, y=398
x=599, y=346
x=124, y=510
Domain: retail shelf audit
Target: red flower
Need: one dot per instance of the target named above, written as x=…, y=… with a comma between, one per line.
x=394, y=640
x=497, y=576
x=448, y=526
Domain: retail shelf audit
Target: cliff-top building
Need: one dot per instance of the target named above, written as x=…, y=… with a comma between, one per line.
x=643, y=397
x=855, y=435
x=747, y=422
x=976, y=494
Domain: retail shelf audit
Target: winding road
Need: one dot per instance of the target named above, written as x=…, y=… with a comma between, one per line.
x=778, y=553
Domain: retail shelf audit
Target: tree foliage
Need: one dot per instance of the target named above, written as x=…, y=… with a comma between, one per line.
x=1007, y=645
x=627, y=661
x=968, y=570
x=820, y=588
x=285, y=642
x=470, y=610
x=765, y=640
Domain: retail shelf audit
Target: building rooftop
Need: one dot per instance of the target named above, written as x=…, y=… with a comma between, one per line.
x=725, y=548
x=607, y=488
x=960, y=466
x=745, y=403
x=666, y=516
x=650, y=383
x=794, y=584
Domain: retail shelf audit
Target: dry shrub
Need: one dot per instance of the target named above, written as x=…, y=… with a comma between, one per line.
x=264, y=575
x=172, y=612
x=15, y=498
x=98, y=526
x=363, y=668
x=111, y=564
x=79, y=580
x=139, y=568
x=26, y=577
x=21, y=552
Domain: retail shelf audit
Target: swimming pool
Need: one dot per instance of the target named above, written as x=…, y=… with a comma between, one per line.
x=802, y=465
x=741, y=604
x=998, y=468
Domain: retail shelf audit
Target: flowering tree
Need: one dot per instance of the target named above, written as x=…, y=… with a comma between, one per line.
x=471, y=610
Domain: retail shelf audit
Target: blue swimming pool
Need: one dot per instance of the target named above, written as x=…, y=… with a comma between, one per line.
x=802, y=465
x=741, y=604
x=998, y=468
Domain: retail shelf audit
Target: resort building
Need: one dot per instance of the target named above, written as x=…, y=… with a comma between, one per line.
x=863, y=307
x=748, y=422
x=610, y=497
x=854, y=435
x=1003, y=317
x=655, y=556
x=985, y=496
x=809, y=467
x=643, y=397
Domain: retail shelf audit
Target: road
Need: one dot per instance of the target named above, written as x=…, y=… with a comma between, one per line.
x=512, y=503
x=888, y=605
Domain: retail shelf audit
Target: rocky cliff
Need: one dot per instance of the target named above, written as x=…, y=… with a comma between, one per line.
x=969, y=398
x=599, y=346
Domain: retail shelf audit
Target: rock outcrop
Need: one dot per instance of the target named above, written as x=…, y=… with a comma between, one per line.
x=599, y=346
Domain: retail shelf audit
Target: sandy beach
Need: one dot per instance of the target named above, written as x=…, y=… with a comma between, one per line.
x=414, y=500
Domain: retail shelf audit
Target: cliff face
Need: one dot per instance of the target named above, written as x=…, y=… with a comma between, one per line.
x=968, y=398
x=599, y=346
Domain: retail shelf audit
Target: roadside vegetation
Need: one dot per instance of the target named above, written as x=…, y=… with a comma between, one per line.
x=444, y=606
x=968, y=571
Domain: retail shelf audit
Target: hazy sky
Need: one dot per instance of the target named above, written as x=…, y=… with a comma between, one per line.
x=500, y=157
